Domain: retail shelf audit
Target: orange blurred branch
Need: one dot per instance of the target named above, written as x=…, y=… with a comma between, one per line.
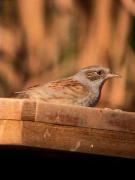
x=129, y=5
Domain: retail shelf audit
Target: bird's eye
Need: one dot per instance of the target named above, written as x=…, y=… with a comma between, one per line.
x=100, y=72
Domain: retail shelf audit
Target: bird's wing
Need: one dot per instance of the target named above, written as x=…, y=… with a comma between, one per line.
x=68, y=87
x=64, y=91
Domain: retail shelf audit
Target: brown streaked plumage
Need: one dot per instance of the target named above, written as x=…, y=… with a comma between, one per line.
x=82, y=89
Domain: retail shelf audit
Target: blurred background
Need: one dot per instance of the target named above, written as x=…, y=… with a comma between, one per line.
x=43, y=40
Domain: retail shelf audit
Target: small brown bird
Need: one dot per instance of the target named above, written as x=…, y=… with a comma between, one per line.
x=83, y=88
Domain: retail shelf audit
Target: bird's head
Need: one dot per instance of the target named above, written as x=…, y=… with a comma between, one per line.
x=95, y=75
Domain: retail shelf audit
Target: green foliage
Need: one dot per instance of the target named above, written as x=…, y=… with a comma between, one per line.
x=70, y=50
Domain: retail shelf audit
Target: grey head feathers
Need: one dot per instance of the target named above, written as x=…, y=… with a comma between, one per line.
x=95, y=68
x=92, y=75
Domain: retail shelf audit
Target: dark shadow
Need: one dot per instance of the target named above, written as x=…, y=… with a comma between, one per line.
x=29, y=154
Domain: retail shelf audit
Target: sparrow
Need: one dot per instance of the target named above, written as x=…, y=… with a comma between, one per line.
x=83, y=88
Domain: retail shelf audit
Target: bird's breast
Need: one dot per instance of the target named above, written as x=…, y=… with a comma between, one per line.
x=91, y=100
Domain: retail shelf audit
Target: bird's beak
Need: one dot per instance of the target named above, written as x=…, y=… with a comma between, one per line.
x=110, y=75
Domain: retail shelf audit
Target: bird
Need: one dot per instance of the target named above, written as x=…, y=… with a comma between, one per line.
x=82, y=89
